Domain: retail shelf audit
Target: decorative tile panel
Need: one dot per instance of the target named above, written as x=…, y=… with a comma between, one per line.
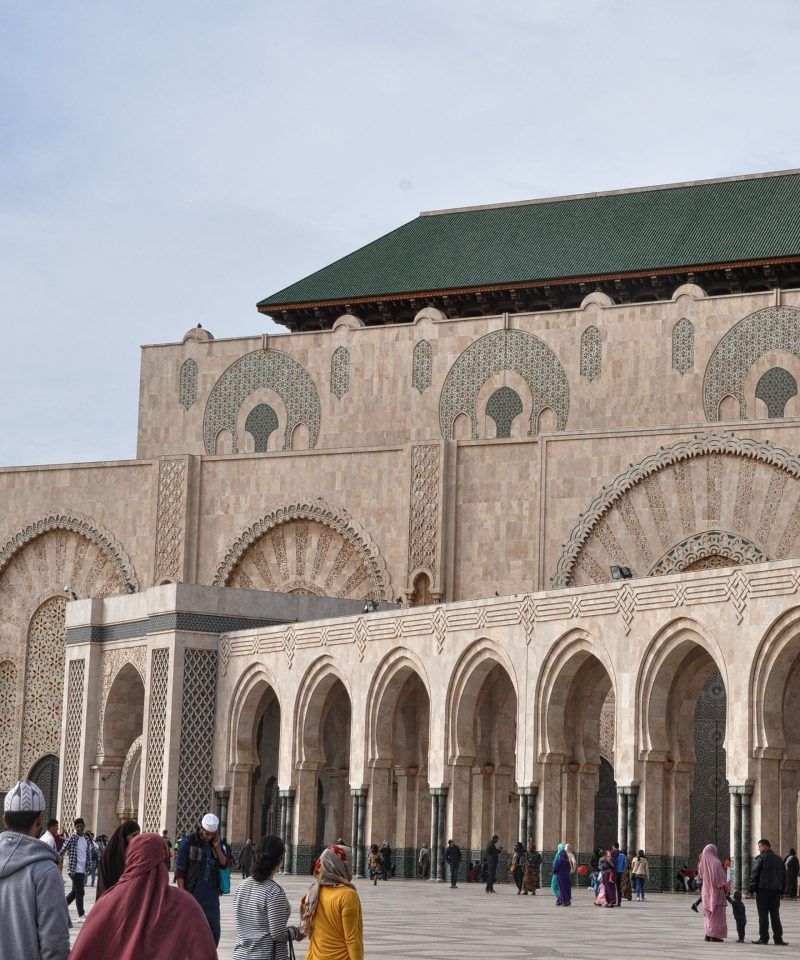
x=8, y=722
x=187, y=391
x=340, y=372
x=156, y=740
x=72, y=749
x=422, y=366
x=170, y=520
x=689, y=553
x=261, y=423
x=274, y=370
x=774, y=328
x=502, y=350
x=197, y=723
x=776, y=388
x=591, y=353
x=683, y=346
x=423, y=523
x=504, y=406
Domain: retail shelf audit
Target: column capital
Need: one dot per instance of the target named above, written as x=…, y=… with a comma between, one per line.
x=287, y=794
x=744, y=789
x=359, y=791
x=530, y=791
x=629, y=789
x=439, y=791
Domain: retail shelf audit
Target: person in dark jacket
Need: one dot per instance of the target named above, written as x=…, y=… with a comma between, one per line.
x=386, y=857
x=792, y=870
x=767, y=880
x=452, y=857
x=492, y=856
x=246, y=859
x=200, y=858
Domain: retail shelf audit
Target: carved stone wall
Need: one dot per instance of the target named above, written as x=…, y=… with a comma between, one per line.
x=156, y=740
x=776, y=388
x=423, y=525
x=739, y=496
x=197, y=719
x=72, y=751
x=683, y=346
x=8, y=721
x=503, y=407
x=262, y=368
x=422, y=366
x=591, y=353
x=44, y=683
x=774, y=328
x=501, y=350
x=187, y=391
x=340, y=372
x=170, y=521
x=261, y=423
x=307, y=547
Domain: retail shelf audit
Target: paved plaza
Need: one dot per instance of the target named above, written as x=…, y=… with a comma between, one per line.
x=407, y=918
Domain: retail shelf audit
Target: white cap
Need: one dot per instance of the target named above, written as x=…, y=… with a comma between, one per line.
x=24, y=797
x=210, y=822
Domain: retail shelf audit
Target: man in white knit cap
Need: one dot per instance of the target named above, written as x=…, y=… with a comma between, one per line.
x=197, y=865
x=35, y=919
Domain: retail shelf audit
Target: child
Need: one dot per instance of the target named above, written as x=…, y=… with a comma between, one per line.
x=374, y=864
x=739, y=913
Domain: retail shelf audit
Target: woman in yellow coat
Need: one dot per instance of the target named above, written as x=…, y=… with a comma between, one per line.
x=331, y=910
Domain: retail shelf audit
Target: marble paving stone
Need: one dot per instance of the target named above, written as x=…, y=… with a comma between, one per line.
x=408, y=918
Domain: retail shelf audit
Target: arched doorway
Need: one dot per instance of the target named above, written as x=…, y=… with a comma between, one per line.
x=121, y=726
x=45, y=775
x=267, y=735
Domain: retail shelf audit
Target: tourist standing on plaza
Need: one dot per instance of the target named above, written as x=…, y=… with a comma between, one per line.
x=792, y=869
x=492, y=857
x=246, y=859
x=35, y=919
x=563, y=875
x=533, y=866
x=80, y=853
x=518, y=866
x=91, y=872
x=452, y=857
x=620, y=866
x=52, y=838
x=374, y=864
x=112, y=862
x=554, y=878
x=767, y=880
x=714, y=890
x=424, y=862
x=739, y=914
x=142, y=917
x=262, y=909
x=331, y=909
x=197, y=866
x=607, y=888
x=640, y=869
x=386, y=857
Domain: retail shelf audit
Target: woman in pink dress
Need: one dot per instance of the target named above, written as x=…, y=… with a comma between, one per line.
x=714, y=889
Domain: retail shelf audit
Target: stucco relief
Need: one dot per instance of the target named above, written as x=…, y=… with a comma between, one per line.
x=307, y=547
x=501, y=350
x=262, y=368
x=171, y=520
x=423, y=522
x=739, y=495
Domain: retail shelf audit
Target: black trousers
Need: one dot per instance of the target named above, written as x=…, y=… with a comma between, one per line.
x=76, y=894
x=492, y=876
x=768, y=904
x=740, y=925
x=454, y=874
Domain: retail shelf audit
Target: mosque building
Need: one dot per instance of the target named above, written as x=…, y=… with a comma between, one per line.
x=502, y=536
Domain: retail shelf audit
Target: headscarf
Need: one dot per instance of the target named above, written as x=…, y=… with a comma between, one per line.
x=142, y=917
x=112, y=862
x=573, y=862
x=555, y=858
x=332, y=869
x=713, y=875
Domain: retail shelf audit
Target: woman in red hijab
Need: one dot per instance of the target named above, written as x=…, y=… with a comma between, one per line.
x=142, y=917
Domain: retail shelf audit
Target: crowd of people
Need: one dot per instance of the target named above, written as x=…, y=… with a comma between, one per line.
x=139, y=914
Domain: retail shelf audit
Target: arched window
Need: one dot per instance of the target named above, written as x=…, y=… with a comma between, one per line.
x=504, y=406
x=340, y=372
x=261, y=423
x=187, y=393
x=591, y=353
x=683, y=346
x=421, y=366
x=776, y=388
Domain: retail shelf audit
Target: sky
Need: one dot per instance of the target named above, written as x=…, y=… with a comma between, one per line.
x=168, y=164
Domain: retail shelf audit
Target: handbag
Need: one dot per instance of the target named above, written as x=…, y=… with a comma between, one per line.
x=224, y=879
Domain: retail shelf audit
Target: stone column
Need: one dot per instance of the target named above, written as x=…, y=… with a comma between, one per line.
x=286, y=801
x=747, y=840
x=441, y=797
x=524, y=814
x=359, y=796
x=622, y=817
x=736, y=842
x=436, y=853
x=532, y=797
x=627, y=826
x=222, y=806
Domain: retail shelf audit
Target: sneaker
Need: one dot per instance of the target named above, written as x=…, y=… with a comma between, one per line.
x=694, y=907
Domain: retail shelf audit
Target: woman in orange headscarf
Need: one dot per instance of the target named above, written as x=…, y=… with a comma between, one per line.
x=331, y=910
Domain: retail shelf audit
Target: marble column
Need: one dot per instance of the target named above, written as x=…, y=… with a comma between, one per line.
x=628, y=828
x=747, y=839
x=436, y=853
x=533, y=794
x=286, y=802
x=359, y=796
x=442, y=821
x=622, y=817
x=222, y=807
x=736, y=829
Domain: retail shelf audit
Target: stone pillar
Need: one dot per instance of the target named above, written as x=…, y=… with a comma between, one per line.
x=524, y=814
x=286, y=801
x=747, y=839
x=461, y=789
x=436, y=853
x=359, y=822
x=736, y=839
x=222, y=808
x=627, y=827
x=240, y=803
x=441, y=798
x=622, y=817
x=551, y=802
x=531, y=798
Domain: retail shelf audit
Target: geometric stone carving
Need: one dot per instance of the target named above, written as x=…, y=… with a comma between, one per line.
x=722, y=485
x=591, y=353
x=504, y=406
x=271, y=369
x=156, y=739
x=774, y=328
x=44, y=683
x=683, y=346
x=422, y=366
x=72, y=750
x=187, y=393
x=307, y=547
x=499, y=351
x=423, y=525
x=8, y=721
x=607, y=716
x=170, y=520
x=776, y=388
x=712, y=548
x=261, y=423
x=340, y=372
x=197, y=721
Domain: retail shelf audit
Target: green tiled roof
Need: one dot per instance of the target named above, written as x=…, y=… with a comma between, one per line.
x=696, y=224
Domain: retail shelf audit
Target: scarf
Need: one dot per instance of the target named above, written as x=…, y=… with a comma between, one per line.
x=112, y=862
x=714, y=877
x=332, y=869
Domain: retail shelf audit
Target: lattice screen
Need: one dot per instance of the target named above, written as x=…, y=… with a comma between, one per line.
x=197, y=736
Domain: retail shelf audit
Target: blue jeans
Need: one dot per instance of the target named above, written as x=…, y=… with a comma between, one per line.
x=639, y=881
